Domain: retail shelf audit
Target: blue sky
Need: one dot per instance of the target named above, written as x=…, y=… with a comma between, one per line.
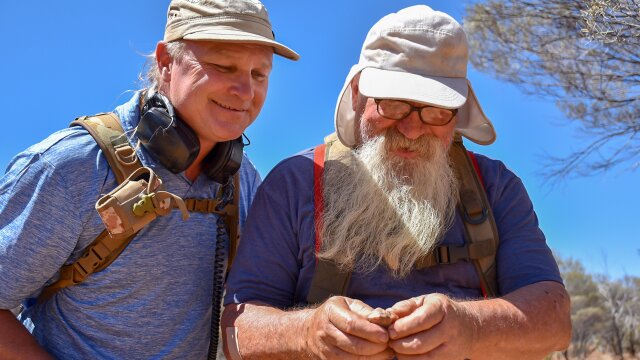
x=61, y=60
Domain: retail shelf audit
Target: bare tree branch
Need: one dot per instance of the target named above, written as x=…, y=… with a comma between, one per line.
x=584, y=55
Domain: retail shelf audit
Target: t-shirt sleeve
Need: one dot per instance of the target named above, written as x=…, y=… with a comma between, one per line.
x=41, y=214
x=523, y=256
x=269, y=256
x=249, y=182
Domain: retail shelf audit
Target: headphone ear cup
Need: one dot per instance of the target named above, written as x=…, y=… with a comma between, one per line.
x=165, y=136
x=224, y=160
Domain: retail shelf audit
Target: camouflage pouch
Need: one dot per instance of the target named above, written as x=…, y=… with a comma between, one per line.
x=136, y=202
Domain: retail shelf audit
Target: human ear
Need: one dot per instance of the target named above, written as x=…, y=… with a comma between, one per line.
x=163, y=60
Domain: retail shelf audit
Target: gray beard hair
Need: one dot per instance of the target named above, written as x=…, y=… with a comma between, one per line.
x=382, y=208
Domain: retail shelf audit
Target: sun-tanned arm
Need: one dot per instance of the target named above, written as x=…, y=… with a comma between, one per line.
x=16, y=342
x=528, y=323
x=336, y=329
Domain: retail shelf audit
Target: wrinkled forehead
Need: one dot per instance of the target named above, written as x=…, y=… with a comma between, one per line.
x=204, y=50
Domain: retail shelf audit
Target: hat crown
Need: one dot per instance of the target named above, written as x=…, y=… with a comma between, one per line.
x=417, y=40
x=192, y=9
x=242, y=21
x=218, y=12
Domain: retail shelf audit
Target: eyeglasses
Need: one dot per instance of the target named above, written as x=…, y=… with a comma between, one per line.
x=400, y=109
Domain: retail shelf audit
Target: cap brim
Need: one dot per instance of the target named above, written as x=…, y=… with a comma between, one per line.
x=242, y=37
x=453, y=93
x=344, y=116
x=450, y=93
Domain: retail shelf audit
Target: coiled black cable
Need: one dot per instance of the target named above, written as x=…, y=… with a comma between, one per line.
x=222, y=239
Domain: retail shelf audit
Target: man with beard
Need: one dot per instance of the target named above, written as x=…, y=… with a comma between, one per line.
x=387, y=199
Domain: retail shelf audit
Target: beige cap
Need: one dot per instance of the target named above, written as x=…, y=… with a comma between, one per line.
x=244, y=21
x=421, y=55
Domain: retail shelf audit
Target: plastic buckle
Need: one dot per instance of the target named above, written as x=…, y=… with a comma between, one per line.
x=457, y=253
x=91, y=260
x=451, y=254
x=442, y=255
x=82, y=266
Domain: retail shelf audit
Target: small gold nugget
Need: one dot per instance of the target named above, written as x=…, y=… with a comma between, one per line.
x=382, y=317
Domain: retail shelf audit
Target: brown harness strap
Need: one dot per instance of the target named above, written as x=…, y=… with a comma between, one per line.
x=480, y=226
x=481, y=240
x=328, y=280
x=96, y=257
x=448, y=254
x=232, y=218
x=107, y=131
x=231, y=214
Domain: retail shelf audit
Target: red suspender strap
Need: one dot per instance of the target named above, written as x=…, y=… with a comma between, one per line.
x=477, y=168
x=318, y=198
x=484, y=291
x=327, y=279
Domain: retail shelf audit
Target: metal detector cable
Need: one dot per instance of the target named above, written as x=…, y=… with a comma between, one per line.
x=222, y=239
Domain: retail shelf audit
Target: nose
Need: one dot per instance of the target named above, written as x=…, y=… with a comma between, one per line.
x=412, y=127
x=242, y=86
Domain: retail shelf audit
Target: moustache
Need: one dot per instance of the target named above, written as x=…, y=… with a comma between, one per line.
x=395, y=141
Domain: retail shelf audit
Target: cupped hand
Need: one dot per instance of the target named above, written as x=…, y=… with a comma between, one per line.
x=432, y=327
x=339, y=329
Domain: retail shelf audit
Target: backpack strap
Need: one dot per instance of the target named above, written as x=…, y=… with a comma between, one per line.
x=327, y=280
x=107, y=131
x=481, y=231
x=481, y=240
x=481, y=234
x=232, y=218
x=231, y=214
x=109, y=134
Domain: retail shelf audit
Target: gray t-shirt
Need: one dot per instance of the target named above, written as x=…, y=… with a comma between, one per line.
x=276, y=257
x=154, y=300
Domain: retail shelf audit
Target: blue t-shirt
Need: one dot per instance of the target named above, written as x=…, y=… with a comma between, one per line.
x=276, y=258
x=154, y=300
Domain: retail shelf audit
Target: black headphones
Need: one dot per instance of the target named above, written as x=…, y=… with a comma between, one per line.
x=175, y=145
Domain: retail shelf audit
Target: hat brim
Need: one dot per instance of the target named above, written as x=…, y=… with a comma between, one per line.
x=449, y=93
x=452, y=93
x=473, y=123
x=242, y=37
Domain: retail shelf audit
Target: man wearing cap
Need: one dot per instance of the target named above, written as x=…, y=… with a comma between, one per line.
x=381, y=206
x=209, y=76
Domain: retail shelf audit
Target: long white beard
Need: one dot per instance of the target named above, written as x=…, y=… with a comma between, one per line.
x=386, y=208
